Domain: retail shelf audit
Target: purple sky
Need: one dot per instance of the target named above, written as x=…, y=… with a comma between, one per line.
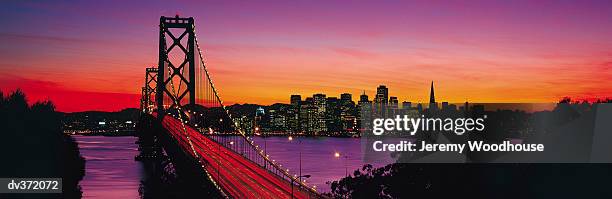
x=261, y=52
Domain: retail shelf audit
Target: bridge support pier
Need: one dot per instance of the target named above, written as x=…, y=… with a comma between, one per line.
x=148, y=144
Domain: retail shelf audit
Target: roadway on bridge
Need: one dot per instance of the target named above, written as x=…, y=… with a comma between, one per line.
x=238, y=176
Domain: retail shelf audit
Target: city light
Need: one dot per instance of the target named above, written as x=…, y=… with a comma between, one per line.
x=290, y=138
x=336, y=154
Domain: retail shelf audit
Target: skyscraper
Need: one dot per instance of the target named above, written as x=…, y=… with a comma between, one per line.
x=332, y=114
x=432, y=99
x=365, y=111
x=307, y=117
x=296, y=99
x=277, y=120
x=363, y=98
x=382, y=95
x=293, y=113
x=393, y=100
x=392, y=107
x=320, y=102
x=346, y=97
x=406, y=105
x=445, y=106
x=257, y=122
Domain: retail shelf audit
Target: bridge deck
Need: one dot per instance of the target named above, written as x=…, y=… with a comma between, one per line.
x=236, y=175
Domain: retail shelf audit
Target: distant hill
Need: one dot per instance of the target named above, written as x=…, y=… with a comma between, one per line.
x=94, y=122
x=123, y=115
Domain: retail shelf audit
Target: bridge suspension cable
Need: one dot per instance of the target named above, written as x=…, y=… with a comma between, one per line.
x=191, y=146
x=265, y=158
x=208, y=98
x=179, y=109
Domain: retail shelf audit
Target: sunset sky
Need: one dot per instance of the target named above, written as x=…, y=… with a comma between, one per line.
x=92, y=56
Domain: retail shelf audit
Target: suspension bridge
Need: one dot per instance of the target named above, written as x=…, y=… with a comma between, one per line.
x=180, y=96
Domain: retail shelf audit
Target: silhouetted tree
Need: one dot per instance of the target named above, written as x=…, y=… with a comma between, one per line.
x=565, y=100
x=484, y=180
x=32, y=144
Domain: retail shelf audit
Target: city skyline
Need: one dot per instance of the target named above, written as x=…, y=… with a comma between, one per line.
x=541, y=52
x=385, y=97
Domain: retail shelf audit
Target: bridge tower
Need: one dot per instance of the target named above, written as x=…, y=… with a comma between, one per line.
x=168, y=69
x=148, y=89
x=143, y=101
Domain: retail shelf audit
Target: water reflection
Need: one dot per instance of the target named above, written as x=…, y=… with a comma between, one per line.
x=112, y=172
x=110, y=169
x=318, y=159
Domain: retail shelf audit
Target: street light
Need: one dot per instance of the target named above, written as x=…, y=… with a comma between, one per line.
x=300, y=145
x=293, y=179
x=265, y=142
x=337, y=155
x=257, y=131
